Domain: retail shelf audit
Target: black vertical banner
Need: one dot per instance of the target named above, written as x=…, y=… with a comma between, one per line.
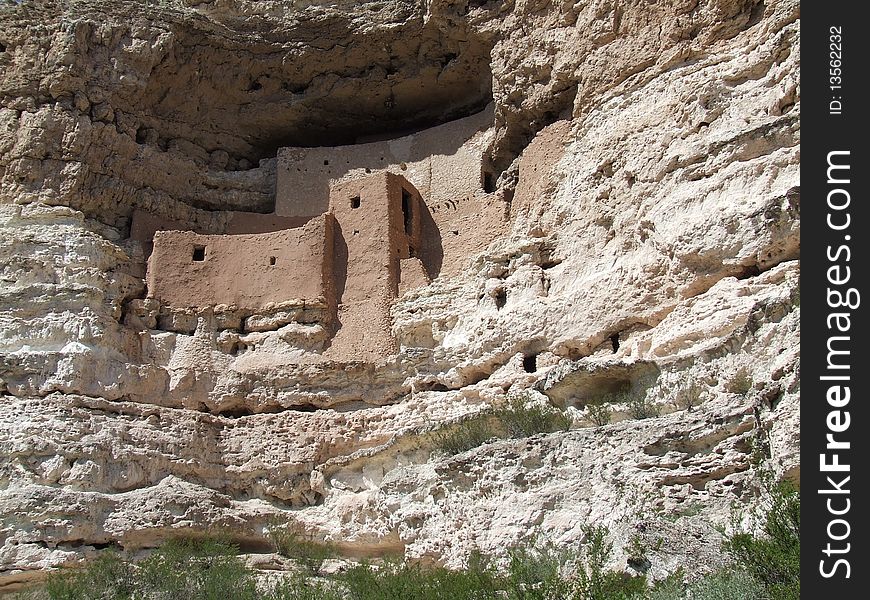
x=835, y=423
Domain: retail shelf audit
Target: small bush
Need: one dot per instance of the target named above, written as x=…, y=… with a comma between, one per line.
x=689, y=510
x=538, y=573
x=108, y=576
x=689, y=395
x=596, y=583
x=599, y=413
x=465, y=435
x=397, y=580
x=640, y=407
x=196, y=569
x=727, y=584
x=193, y=570
x=740, y=382
x=308, y=553
x=521, y=419
x=517, y=419
x=302, y=587
x=774, y=558
x=636, y=552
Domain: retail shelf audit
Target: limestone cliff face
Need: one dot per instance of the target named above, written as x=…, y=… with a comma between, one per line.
x=650, y=153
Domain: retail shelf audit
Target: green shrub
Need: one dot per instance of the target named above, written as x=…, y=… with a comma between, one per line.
x=600, y=413
x=396, y=580
x=517, y=419
x=740, y=382
x=302, y=587
x=727, y=584
x=596, y=583
x=193, y=570
x=773, y=558
x=108, y=576
x=641, y=407
x=465, y=435
x=766, y=568
x=636, y=552
x=521, y=419
x=538, y=573
x=691, y=509
x=689, y=395
x=308, y=553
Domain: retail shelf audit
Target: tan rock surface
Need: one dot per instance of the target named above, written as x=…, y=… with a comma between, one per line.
x=652, y=152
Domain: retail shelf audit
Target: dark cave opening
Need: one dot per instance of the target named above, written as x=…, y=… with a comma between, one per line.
x=331, y=99
x=530, y=363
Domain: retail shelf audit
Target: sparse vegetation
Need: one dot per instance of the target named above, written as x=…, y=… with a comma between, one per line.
x=518, y=418
x=195, y=570
x=689, y=510
x=773, y=558
x=401, y=580
x=539, y=572
x=466, y=434
x=599, y=413
x=766, y=567
x=636, y=552
x=727, y=584
x=640, y=406
x=689, y=395
x=311, y=554
x=210, y=570
x=109, y=576
x=740, y=382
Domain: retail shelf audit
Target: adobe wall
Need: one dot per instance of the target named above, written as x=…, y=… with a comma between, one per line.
x=248, y=222
x=372, y=239
x=144, y=224
x=442, y=163
x=467, y=226
x=247, y=271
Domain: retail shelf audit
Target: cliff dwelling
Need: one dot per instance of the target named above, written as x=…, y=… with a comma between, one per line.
x=353, y=228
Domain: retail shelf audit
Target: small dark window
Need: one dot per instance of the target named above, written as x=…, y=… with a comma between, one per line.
x=614, y=341
x=488, y=182
x=530, y=363
x=326, y=163
x=273, y=260
x=355, y=202
x=356, y=231
x=2, y=47
x=198, y=253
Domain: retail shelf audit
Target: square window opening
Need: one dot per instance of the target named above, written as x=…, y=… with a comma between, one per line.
x=198, y=253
